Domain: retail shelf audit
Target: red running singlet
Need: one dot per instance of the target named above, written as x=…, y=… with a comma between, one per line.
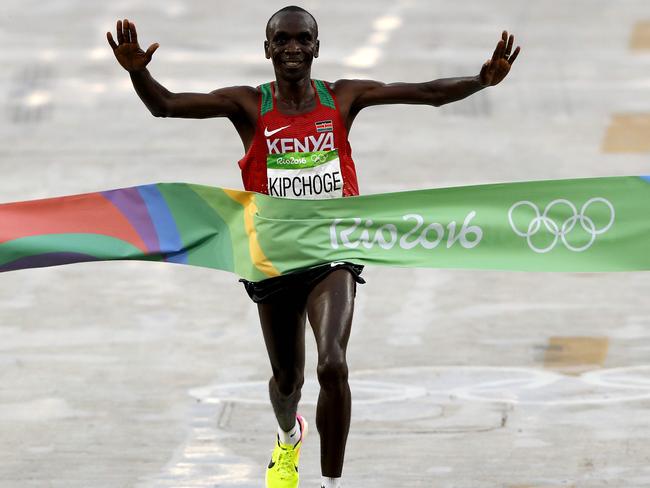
x=300, y=156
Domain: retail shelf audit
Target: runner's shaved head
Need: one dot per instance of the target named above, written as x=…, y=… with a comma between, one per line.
x=291, y=9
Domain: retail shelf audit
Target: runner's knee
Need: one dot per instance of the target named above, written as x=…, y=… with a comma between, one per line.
x=332, y=370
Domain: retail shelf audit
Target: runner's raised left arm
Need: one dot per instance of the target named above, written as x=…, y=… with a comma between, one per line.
x=365, y=93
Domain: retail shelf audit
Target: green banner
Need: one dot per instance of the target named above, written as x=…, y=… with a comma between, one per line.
x=595, y=224
x=599, y=224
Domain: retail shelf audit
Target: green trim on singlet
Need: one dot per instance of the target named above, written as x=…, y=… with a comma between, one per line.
x=267, y=98
x=322, y=91
x=324, y=94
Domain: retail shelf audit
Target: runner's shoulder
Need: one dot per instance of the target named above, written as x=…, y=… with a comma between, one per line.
x=238, y=93
x=347, y=87
x=242, y=97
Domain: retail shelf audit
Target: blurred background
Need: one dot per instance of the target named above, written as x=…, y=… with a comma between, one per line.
x=151, y=375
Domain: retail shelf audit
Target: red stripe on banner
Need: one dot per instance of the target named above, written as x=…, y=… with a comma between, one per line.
x=90, y=213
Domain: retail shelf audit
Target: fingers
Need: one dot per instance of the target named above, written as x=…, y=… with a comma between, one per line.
x=109, y=36
x=134, y=34
x=511, y=41
x=504, y=48
x=120, y=35
x=127, y=32
x=514, y=55
x=498, y=52
x=151, y=50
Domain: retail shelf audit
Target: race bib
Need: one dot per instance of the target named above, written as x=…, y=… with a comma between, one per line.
x=310, y=175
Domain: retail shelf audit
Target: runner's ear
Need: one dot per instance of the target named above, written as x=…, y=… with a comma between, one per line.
x=316, y=48
x=266, y=50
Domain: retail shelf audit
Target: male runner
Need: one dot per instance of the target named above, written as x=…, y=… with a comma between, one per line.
x=294, y=132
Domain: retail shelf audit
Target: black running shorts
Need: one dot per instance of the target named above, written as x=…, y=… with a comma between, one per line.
x=300, y=282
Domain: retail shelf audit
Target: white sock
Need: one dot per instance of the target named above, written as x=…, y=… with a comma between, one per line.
x=330, y=482
x=290, y=437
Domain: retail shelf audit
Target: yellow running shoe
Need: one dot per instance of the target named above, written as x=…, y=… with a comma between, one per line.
x=282, y=471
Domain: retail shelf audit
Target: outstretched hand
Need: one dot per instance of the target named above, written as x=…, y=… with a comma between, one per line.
x=495, y=69
x=127, y=50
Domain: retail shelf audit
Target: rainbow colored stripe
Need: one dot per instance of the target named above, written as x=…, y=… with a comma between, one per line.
x=176, y=223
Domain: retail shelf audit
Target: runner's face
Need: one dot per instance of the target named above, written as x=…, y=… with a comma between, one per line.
x=292, y=45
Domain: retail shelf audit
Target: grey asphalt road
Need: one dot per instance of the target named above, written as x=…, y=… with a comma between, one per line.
x=148, y=375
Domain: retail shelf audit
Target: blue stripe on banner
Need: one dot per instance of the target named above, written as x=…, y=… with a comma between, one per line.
x=647, y=178
x=168, y=235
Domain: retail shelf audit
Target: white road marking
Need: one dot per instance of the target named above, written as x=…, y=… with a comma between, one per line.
x=48, y=55
x=100, y=53
x=202, y=460
x=363, y=57
x=524, y=386
x=493, y=384
x=38, y=98
x=256, y=392
x=387, y=23
x=175, y=9
x=368, y=54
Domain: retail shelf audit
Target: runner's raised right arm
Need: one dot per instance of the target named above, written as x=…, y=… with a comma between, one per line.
x=232, y=102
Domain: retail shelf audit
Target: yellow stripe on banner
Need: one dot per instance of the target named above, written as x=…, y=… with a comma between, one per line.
x=628, y=133
x=261, y=262
x=640, y=40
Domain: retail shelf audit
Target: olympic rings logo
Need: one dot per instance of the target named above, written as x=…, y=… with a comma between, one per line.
x=318, y=158
x=560, y=232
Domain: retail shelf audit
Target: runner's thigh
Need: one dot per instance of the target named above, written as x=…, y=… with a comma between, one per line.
x=283, y=326
x=330, y=307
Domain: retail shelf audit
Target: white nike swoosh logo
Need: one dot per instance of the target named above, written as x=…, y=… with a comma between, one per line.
x=269, y=133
